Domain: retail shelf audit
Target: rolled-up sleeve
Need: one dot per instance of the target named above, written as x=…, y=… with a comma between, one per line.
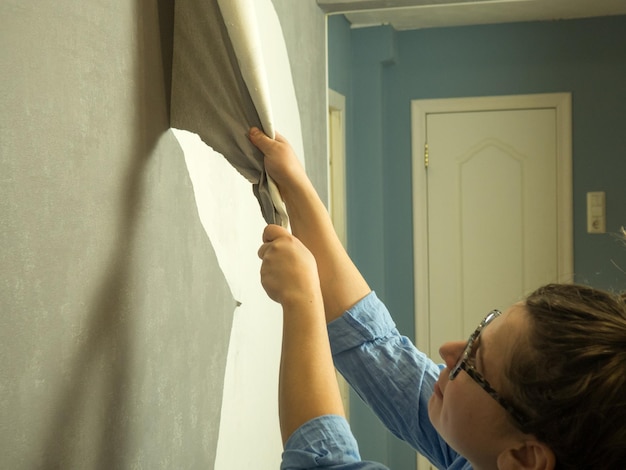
x=324, y=442
x=391, y=375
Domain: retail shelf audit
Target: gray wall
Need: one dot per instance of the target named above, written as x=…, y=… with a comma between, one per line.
x=115, y=315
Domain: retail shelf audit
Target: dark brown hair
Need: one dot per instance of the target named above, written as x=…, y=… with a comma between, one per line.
x=570, y=375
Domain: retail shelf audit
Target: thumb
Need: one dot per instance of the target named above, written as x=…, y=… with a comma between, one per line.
x=272, y=232
x=264, y=143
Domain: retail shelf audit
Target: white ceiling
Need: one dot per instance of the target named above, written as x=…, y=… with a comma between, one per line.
x=416, y=14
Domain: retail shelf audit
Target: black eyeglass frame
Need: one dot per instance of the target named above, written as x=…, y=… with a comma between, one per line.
x=463, y=364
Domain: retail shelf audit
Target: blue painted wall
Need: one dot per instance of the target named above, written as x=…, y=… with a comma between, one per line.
x=380, y=71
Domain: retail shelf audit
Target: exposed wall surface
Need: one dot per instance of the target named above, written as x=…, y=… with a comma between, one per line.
x=115, y=316
x=381, y=71
x=304, y=28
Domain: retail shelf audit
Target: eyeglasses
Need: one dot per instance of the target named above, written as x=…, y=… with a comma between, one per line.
x=466, y=361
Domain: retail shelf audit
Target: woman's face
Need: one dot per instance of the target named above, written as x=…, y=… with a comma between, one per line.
x=471, y=421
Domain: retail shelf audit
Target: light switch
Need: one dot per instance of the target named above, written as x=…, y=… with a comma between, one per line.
x=596, y=212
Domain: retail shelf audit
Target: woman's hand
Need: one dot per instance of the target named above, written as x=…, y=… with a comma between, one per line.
x=281, y=162
x=289, y=271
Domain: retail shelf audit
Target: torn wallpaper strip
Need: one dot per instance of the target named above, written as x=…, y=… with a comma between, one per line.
x=219, y=88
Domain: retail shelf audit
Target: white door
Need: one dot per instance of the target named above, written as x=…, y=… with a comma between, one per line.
x=492, y=207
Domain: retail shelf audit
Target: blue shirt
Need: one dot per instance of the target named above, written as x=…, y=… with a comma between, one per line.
x=392, y=376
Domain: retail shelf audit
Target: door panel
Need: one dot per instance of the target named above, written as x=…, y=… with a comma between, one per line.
x=491, y=213
x=492, y=208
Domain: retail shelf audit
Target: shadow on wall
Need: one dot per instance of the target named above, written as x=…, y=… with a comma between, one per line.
x=105, y=355
x=166, y=30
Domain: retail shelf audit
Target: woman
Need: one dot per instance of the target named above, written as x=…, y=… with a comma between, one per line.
x=539, y=386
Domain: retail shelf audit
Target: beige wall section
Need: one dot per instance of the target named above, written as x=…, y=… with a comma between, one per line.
x=304, y=28
x=115, y=316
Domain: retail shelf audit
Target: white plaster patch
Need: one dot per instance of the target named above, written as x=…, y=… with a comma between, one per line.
x=231, y=217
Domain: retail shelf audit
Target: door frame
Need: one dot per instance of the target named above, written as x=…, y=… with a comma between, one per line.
x=420, y=109
x=337, y=192
x=337, y=163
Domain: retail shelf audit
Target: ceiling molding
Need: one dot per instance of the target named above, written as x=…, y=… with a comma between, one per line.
x=417, y=14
